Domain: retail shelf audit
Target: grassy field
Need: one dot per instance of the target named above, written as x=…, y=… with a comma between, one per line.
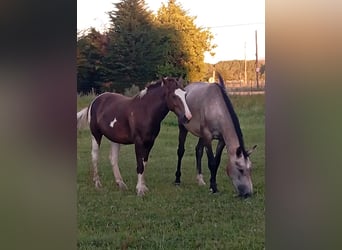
x=172, y=217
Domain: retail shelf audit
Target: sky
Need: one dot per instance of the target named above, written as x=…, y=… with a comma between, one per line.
x=232, y=22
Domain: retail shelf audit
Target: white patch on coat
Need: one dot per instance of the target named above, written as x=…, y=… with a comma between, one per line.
x=143, y=92
x=111, y=124
x=181, y=94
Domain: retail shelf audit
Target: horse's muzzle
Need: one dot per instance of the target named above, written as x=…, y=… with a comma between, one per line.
x=184, y=119
x=243, y=192
x=245, y=195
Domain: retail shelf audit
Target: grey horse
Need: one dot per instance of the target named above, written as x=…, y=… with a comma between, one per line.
x=213, y=117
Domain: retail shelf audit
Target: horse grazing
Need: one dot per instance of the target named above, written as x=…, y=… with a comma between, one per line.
x=132, y=120
x=213, y=117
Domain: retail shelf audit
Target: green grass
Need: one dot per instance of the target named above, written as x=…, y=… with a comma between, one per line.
x=172, y=217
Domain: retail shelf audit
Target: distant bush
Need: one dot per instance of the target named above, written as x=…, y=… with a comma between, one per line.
x=133, y=90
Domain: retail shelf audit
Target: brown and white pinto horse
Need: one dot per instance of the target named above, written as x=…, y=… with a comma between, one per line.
x=132, y=120
x=213, y=117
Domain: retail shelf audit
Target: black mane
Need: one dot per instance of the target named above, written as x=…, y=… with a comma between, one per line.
x=233, y=115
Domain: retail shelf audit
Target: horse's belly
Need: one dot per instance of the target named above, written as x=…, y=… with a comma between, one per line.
x=118, y=134
x=119, y=139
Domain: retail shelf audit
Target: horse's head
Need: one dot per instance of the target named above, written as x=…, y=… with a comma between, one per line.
x=239, y=170
x=175, y=99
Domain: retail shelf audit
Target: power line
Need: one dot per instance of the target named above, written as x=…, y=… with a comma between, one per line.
x=232, y=25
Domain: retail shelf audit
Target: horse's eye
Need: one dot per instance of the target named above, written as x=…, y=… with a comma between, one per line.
x=240, y=170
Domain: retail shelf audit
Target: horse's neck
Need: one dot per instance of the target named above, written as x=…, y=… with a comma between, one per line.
x=155, y=102
x=231, y=138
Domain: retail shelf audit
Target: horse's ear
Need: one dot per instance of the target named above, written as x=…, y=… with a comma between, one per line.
x=250, y=151
x=238, y=152
x=180, y=81
x=163, y=81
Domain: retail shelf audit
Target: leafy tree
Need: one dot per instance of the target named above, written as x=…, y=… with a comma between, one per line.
x=235, y=70
x=91, y=48
x=134, y=45
x=186, y=42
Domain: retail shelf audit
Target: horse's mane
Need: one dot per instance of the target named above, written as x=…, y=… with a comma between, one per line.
x=154, y=84
x=150, y=86
x=233, y=115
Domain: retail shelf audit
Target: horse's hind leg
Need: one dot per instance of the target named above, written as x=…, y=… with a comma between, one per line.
x=199, y=155
x=114, y=159
x=95, y=145
x=180, y=151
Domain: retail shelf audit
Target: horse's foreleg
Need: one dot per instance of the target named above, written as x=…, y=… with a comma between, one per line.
x=180, y=151
x=114, y=159
x=219, y=149
x=142, y=151
x=199, y=155
x=212, y=167
x=94, y=158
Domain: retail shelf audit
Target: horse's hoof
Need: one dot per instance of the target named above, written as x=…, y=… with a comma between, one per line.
x=122, y=185
x=98, y=185
x=214, y=190
x=142, y=190
x=177, y=183
x=200, y=180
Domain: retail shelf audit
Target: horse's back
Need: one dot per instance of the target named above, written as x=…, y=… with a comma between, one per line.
x=107, y=101
x=204, y=98
x=208, y=108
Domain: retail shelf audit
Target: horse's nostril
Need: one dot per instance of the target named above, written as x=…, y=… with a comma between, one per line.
x=242, y=189
x=247, y=195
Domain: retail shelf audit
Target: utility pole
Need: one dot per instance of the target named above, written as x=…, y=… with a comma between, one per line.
x=245, y=66
x=256, y=60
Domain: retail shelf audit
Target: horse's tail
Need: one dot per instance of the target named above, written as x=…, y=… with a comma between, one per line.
x=82, y=120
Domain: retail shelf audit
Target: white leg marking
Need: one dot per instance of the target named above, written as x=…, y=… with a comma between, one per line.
x=111, y=124
x=181, y=94
x=114, y=160
x=141, y=187
x=94, y=158
x=200, y=180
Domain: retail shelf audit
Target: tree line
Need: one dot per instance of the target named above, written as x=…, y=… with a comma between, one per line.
x=235, y=70
x=140, y=47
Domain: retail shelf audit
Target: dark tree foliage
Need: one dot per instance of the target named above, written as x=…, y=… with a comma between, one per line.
x=91, y=49
x=140, y=47
x=135, y=45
